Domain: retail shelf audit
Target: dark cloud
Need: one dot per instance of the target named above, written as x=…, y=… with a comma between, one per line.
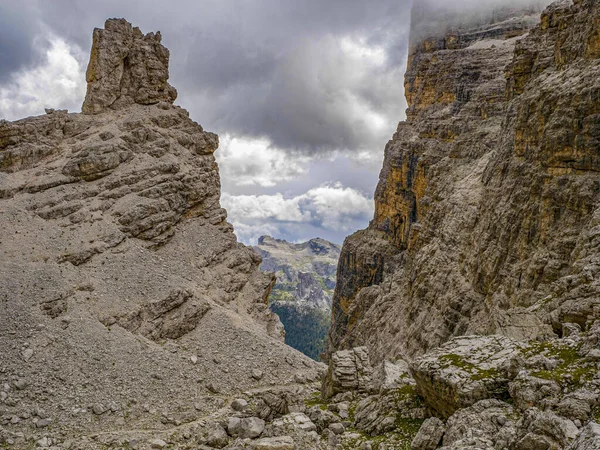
x=261, y=68
x=17, y=33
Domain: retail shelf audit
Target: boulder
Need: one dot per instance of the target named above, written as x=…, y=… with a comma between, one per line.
x=349, y=370
x=589, y=439
x=249, y=427
x=489, y=421
x=466, y=370
x=528, y=391
x=543, y=429
x=291, y=424
x=578, y=405
x=429, y=435
x=388, y=375
x=217, y=437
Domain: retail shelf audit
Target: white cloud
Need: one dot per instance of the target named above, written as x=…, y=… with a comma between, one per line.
x=255, y=162
x=245, y=208
x=57, y=82
x=330, y=208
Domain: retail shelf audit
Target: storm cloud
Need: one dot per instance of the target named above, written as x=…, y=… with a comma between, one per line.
x=310, y=76
x=303, y=93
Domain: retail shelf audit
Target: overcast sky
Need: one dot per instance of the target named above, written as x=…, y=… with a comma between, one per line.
x=304, y=94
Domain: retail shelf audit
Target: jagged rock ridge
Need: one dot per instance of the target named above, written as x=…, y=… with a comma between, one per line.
x=306, y=277
x=487, y=206
x=126, y=302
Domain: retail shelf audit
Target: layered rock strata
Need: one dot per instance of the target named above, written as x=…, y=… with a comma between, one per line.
x=486, y=212
x=126, y=302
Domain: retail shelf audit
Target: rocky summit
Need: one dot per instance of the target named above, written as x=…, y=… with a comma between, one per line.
x=129, y=313
x=302, y=295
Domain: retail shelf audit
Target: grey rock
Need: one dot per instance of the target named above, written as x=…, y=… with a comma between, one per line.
x=126, y=67
x=27, y=354
x=429, y=436
x=21, y=384
x=487, y=421
x=578, y=405
x=388, y=375
x=217, y=437
x=464, y=371
x=274, y=443
x=543, y=429
x=292, y=424
x=447, y=252
x=42, y=423
x=589, y=438
x=337, y=428
x=99, y=409
x=158, y=443
x=528, y=391
x=239, y=404
x=349, y=370
x=249, y=427
x=570, y=329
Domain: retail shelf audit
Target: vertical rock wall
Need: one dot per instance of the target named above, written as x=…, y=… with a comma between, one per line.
x=488, y=197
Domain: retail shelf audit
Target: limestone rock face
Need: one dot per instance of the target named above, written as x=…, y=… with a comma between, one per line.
x=123, y=290
x=487, y=208
x=126, y=67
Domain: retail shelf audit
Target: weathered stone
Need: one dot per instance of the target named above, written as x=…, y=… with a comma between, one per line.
x=464, y=371
x=126, y=67
x=239, y=404
x=578, y=405
x=388, y=375
x=217, y=437
x=491, y=421
x=99, y=409
x=123, y=267
x=337, y=428
x=471, y=233
x=589, y=438
x=158, y=443
x=349, y=370
x=528, y=391
x=274, y=443
x=543, y=429
x=249, y=427
x=429, y=436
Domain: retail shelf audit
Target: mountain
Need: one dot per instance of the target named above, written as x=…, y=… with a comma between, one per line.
x=466, y=316
x=485, y=212
x=129, y=313
x=301, y=297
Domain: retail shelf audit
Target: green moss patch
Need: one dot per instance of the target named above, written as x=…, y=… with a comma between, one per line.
x=573, y=370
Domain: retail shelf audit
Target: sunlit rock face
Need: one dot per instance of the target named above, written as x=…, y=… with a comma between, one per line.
x=487, y=206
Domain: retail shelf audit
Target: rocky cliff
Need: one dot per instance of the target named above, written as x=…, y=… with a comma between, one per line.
x=301, y=297
x=128, y=310
x=487, y=209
